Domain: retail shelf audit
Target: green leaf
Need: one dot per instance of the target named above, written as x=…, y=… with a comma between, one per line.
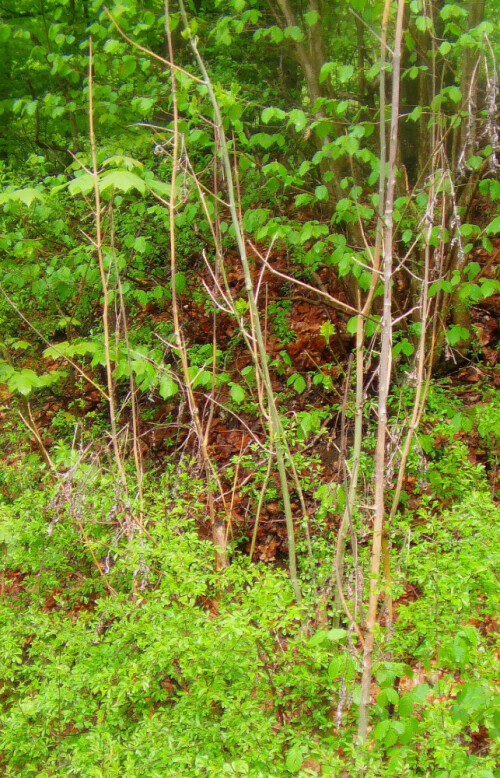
x=493, y=227
x=381, y=729
x=237, y=393
x=168, y=387
x=345, y=73
x=295, y=33
x=83, y=184
x=294, y=759
x=327, y=329
x=489, y=286
x=276, y=34
x=405, y=705
x=26, y=196
x=23, y=381
x=111, y=45
x=298, y=119
x=415, y=114
x=388, y=696
x=454, y=94
x=336, y=667
x=456, y=333
x=320, y=636
x=140, y=244
x=420, y=693
x=128, y=67
x=410, y=729
x=267, y=115
x=303, y=199
x=299, y=384
x=321, y=193
x=180, y=282
x=427, y=443
x=123, y=180
x=325, y=71
x=352, y=325
x=311, y=18
x=335, y=635
x=474, y=162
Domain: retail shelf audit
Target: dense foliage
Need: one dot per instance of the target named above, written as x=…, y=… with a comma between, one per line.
x=249, y=299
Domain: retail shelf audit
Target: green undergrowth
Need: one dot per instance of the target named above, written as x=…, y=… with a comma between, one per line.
x=222, y=674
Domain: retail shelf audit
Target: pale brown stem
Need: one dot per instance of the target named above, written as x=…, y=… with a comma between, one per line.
x=218, y=532
x=271, y=400
x=383, y=387
x=105, y=292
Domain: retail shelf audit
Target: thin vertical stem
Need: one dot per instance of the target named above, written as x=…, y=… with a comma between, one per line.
x=385, y=366
x=218, y=533
x=104, y=283
x=273, y=411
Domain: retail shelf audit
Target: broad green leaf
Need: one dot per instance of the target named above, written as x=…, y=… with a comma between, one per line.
x=26, y=196
x=405, y=705
x=456, y=333
x=388, y=696
x=122, y=161
x=294, y=759
x=168, y=387
x=237, y=393
x=352, y=325
x=267, y=115
x=298, y=383
x=454, y=94
x=123, y=180
x=336, y=667
x=180, y=282
x=298, y=119
x=337, y=634
x=111, y=45
x=420, y=693
x=81, y=185
x=415, y=114
x=276, y=34
x=345, y=73
x=303, y=199
x=295, y=33
x=23, y=381
x=381, y=729
x=128, y=67
x=325, y=71
x=311, y=18
x=493, y=227
x=321, y=193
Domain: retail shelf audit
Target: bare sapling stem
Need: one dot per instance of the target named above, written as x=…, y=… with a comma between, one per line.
x=273, y=410
x=422, y=365
x=218, y=531
x=384, y=381
x=133, y=388
x=365, y=312
x=105, y=294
